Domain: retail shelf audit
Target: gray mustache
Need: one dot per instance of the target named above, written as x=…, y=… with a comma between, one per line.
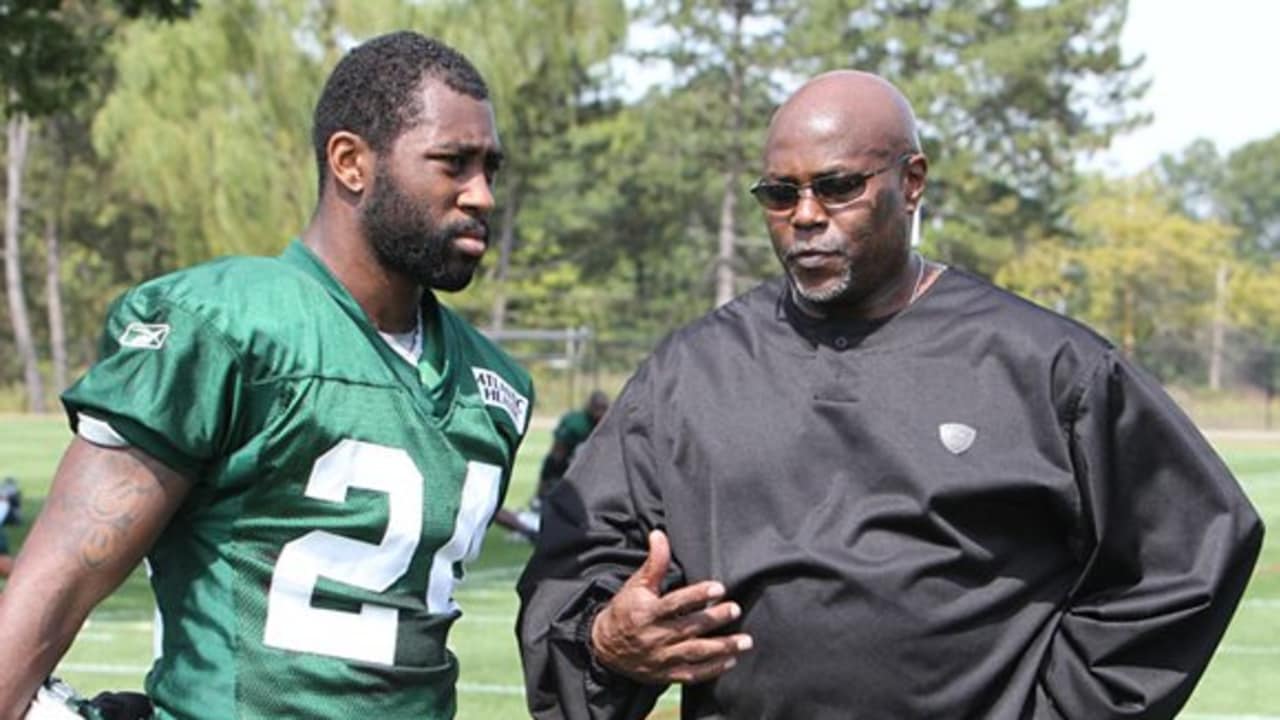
x=797, y=251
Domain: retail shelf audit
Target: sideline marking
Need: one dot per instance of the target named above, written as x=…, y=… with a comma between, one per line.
x=1250, y=649
x=104, y=668
x=488, y=618
x=501, y=571
x=463, y=687
x=1210, y=716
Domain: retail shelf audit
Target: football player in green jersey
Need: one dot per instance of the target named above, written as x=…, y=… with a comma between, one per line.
x=10, y=505
x=573, y=429
x=305, y=448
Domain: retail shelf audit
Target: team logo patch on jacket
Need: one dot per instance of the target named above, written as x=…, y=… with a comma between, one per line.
x=496, y=391
x=144, y=336
x=956, y=437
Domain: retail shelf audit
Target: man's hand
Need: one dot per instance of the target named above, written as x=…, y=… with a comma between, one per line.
x=658, y=638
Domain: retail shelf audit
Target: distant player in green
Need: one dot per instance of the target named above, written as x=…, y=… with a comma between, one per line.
x=307, y=447
x=10, y=502
x=573, y=429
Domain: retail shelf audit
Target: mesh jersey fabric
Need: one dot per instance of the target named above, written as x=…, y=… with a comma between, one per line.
x=309, y=571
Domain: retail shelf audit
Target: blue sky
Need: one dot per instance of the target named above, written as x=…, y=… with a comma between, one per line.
x=1213, y=67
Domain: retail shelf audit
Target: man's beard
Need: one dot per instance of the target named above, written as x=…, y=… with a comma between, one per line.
x=858, y=278
x=831, y=293
x=406, y=239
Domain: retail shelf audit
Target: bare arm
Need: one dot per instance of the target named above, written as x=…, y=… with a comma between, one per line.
x=509, y=520
x=105, y=509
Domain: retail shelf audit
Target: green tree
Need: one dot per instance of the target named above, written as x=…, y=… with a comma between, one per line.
x=1194, y=177
x=50, y=54
x=1240, y=190
x=724, y=55
x=1009, y=94
x=1249, y=195
x=209, y=121
x=1137, y=270
x=1255, y=306
x=230, y=94
x=617, y=233
x=17, y=142
x=544, y=62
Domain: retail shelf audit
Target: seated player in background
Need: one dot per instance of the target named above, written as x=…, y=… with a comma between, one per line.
x=573, y=429
x=10, y=507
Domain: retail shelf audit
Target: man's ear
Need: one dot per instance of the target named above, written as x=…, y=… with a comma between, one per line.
x=913, y=180
x=350, y=161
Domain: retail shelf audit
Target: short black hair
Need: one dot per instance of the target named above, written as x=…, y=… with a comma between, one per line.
x=372, y=92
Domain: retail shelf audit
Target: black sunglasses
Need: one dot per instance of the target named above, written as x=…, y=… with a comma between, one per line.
x=833, y=191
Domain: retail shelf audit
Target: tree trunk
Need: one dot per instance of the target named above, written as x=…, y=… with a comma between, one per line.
x=506, y=239
x=1217, y=331
x=1128, y=337
x=728, y=236
x=53, y=290
x=725, y=275
x=18, y=132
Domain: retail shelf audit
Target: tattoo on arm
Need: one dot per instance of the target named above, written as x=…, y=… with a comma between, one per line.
x=102, y=513
x=102, y=517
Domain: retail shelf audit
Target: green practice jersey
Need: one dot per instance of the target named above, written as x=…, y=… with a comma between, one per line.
x=573, y=429
x=335, y=493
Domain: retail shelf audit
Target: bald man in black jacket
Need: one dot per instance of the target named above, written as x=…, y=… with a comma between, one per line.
x=877, y=487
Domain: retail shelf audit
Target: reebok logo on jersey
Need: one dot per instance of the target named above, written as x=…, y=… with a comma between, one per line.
x=956, y=437
x=497, y=391
x=144, y=336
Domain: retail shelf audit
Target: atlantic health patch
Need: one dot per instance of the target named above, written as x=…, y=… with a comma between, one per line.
x=496, y=391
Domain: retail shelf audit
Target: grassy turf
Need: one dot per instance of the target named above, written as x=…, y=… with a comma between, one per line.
x=114, y=648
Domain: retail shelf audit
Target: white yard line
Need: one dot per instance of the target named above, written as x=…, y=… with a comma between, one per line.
x=112, y=614
x=107, y=669
x=488, y=618
x=109, y=624
x=502, y=571
x=1211, y=716
x=102, y=669
x=1262, y=435
x=1249, y=650
x=463, y=593
x=517, y=690
x=490, y=689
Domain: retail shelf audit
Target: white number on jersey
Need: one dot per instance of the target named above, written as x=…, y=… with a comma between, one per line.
x=369, y=635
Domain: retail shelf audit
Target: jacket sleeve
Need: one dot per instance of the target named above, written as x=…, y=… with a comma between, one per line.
x=593, y=536
x=1173, y=543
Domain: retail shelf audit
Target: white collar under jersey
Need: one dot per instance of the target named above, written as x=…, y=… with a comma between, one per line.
x=407, y=345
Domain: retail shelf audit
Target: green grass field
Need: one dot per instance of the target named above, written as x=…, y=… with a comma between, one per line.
x=114, y=648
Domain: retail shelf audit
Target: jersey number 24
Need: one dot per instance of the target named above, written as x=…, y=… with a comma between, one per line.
x=369, y=635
